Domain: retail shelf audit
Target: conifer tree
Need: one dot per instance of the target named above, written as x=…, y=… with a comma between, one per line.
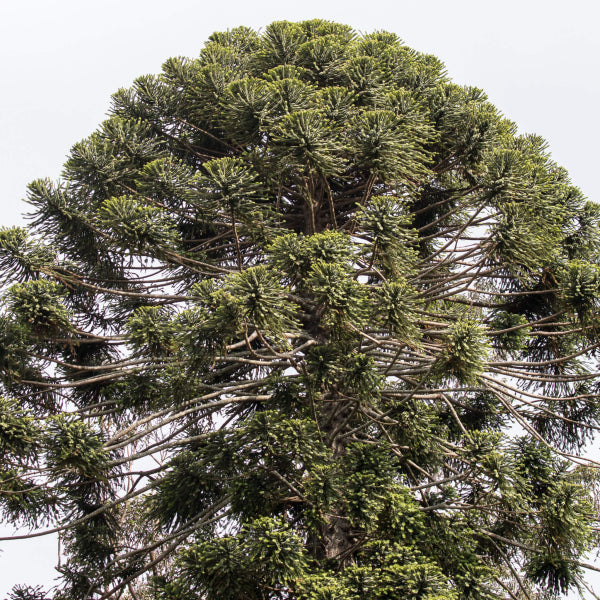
x=303, y=319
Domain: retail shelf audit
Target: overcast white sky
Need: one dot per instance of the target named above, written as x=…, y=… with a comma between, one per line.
x=61, y=59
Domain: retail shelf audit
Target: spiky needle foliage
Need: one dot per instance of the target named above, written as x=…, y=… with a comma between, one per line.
x=303, y=319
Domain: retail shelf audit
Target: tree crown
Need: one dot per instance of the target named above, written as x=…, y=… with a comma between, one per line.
x=304, y=319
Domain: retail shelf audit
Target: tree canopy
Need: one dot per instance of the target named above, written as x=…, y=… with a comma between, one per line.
x=303, y=319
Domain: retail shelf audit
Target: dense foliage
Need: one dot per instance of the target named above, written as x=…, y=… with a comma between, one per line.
x=304, y=319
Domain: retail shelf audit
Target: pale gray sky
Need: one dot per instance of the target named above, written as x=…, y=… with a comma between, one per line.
x=538, y=60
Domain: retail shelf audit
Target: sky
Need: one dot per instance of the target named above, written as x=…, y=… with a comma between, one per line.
x=538, y=61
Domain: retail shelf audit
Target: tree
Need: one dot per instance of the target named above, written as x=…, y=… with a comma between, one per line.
x=304, y=319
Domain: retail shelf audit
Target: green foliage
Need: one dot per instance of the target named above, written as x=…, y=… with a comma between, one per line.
x=136, y=225
x=247, y=301
x=342, y=297
x=295, y=255
x=354, y=373
x=510, y=331
x=383, y=147
x=519, y=241
x=229, y=182
x=22, y=257
x=167, y=181
x=151, y=331
x=19, y=431
x=112, y=156
x=482, y=411
x=395, y=302
x=384, y=219
x=13, y=350
x=184, y=491
x=38, y=306
x=74, y=449
x=262, y=300
x=582, y=241
x=385, y=571
x=268, y=448
x=369, y=476
x=554, y=572
x=465, y=351
x=303, y=320
x=22, y=501
x=266, y=555
x=582, y=287
x=304, y=143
